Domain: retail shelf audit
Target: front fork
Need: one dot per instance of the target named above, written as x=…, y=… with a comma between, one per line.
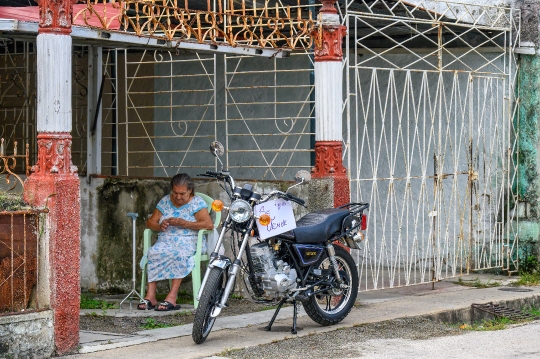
x=233, y=270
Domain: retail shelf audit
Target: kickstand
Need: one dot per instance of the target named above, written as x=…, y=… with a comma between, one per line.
x=293, y=330
x=269, y=326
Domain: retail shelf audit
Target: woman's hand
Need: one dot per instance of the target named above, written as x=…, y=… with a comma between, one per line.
x=178, y=222
x=163, y=225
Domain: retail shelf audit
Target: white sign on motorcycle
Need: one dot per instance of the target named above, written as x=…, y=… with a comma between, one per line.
x=281, y=213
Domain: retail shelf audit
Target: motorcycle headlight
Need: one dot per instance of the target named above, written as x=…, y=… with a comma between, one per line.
x=240, y=211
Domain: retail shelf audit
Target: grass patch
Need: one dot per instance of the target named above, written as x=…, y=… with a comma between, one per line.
x=229, y=351
x=152, y=324
x=12, y=202
x=477, y=283
x=236, y=296
x=534, y=311
x=489, y=325
x=528, y=279
x=88, y=302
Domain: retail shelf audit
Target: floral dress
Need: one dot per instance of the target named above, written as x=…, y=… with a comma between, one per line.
x=173, y=255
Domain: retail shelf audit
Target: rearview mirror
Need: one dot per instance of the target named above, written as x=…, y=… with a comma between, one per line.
x=217, y=149
x=302, y=176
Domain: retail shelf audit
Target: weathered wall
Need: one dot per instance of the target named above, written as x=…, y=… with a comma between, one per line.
x=27, y=335
x=106, y=243
x=527, y=185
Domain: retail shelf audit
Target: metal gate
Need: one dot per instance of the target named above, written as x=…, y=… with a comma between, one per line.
x=430, y=114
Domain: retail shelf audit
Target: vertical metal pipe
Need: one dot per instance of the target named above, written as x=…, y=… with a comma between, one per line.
x=126, y=96
x=312, y=109
x=114, y=113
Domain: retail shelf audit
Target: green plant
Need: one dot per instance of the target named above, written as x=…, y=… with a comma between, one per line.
x=489, y=325
x=12, y=202
x=477, y=283
x=88, y=302
x=152, y=324
x=236, y=296
x=528, y=279
x=533, y=311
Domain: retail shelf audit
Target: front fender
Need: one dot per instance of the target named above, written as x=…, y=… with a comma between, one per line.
x=222, y=262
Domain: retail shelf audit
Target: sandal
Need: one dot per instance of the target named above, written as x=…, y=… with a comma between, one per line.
x=147, y=305
x=168, y=306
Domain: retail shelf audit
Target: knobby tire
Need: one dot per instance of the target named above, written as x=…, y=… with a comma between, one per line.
x=203, y=323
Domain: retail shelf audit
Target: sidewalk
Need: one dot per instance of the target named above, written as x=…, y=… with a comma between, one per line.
x=446, y=300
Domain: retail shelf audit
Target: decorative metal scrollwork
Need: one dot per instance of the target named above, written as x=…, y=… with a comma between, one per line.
x=9, y=162
x=258, y=27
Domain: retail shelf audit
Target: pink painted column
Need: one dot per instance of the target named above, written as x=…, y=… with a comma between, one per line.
x=329, y=167
x=54, y=182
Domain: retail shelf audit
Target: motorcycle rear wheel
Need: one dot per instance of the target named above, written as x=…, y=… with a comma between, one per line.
x=332, y=306
x=203, y=322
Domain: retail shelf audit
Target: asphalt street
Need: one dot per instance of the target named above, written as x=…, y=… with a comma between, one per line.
x=517, y=342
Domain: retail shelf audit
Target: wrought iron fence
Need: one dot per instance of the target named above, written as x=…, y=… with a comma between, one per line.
x=19, y=242
x=432, y=98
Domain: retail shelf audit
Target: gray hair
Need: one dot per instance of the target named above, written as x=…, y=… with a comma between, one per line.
x=183, y=179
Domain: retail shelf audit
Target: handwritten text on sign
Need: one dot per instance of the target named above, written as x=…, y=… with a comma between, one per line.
x=281, y=213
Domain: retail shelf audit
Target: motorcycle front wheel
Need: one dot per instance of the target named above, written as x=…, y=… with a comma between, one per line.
x=203, y=322
x=334, y=304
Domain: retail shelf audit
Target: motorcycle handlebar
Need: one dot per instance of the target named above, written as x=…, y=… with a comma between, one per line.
x=212, y=173
x=222, y=175
x=296, y=199
x=284, y=195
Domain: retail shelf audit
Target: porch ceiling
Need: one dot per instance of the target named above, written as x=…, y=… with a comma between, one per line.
x=82, y=35
x=382, y=25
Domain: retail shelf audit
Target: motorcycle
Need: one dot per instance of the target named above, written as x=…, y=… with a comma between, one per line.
x=308, y=264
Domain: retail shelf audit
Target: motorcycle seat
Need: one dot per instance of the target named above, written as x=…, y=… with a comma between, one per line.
x=317, y=227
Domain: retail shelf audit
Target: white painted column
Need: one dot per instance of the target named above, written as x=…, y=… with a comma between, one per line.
x=54, y=87
x=329, y=98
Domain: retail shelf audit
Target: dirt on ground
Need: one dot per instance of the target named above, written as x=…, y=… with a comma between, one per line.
x=128, y=325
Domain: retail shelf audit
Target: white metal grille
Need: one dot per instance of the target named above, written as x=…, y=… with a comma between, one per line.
x=430, y=137
x=169, y=111
x=17, y=94
x=269, y=115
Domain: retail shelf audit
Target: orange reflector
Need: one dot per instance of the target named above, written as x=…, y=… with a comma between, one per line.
x=217, y=205
x=252, y=233
x=265, y=219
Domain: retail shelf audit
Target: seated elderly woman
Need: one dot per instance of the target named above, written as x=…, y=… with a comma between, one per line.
x=178, y=217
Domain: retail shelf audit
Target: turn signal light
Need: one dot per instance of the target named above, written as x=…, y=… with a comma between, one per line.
x=264, y=219
x=217, y=205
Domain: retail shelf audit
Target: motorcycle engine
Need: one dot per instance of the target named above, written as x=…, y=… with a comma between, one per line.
x=273, y=275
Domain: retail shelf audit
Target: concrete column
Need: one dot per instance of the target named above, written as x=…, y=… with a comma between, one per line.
x=54, y=182
x=330, y=185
